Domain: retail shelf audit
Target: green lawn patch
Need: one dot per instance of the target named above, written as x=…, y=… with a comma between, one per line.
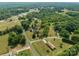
x=3, y=44
x=42, y=48
x=25, y=53
x=57, y=43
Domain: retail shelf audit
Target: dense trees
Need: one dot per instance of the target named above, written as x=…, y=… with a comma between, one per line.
x=18, y=29
x=57, y=27
x=73, y=14
x=25, y=24
x=65, y=34
x=75, y=38
x=15, y=39
x=71, y=27
x=8, y=12
x=12, y=40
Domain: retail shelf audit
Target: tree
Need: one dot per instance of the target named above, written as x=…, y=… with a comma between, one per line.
x=75, y=38
x=21, y=39
x=33, y=36
x=71, y=27
x=64, y=34
x=57, y=27
x=18, y=29
x=12, y=40
x=25, y=24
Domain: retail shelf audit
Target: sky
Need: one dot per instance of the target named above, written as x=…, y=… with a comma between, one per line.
x=39, y=0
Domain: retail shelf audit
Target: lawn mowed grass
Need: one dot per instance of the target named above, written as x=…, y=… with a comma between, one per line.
x=42, y=48
x=25, y=53
x=3, y=44
x=57, y=43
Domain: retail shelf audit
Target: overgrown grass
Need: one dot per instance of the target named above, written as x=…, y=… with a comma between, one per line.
x=25, y=53
x=42, y=48
x=29, y=35
x=3, y=44
x=8, y=24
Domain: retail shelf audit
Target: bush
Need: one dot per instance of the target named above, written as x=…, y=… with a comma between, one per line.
x=68, y=41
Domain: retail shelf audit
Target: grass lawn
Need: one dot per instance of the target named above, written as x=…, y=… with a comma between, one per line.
x=3, y=44
x=42, y=48
x=51, y=31
x=57, y=43
x=8, y=24
x=29, y=35
x=25, y=53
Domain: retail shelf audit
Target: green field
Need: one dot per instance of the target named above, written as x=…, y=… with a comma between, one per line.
x=57, y=43
x=8, y=24
x=29, y=35
x=42, y=48
x=25, y=53
x=3, y=44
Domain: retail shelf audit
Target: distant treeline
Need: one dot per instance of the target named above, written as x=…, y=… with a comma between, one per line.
x=9, y=9
x=8, y=12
